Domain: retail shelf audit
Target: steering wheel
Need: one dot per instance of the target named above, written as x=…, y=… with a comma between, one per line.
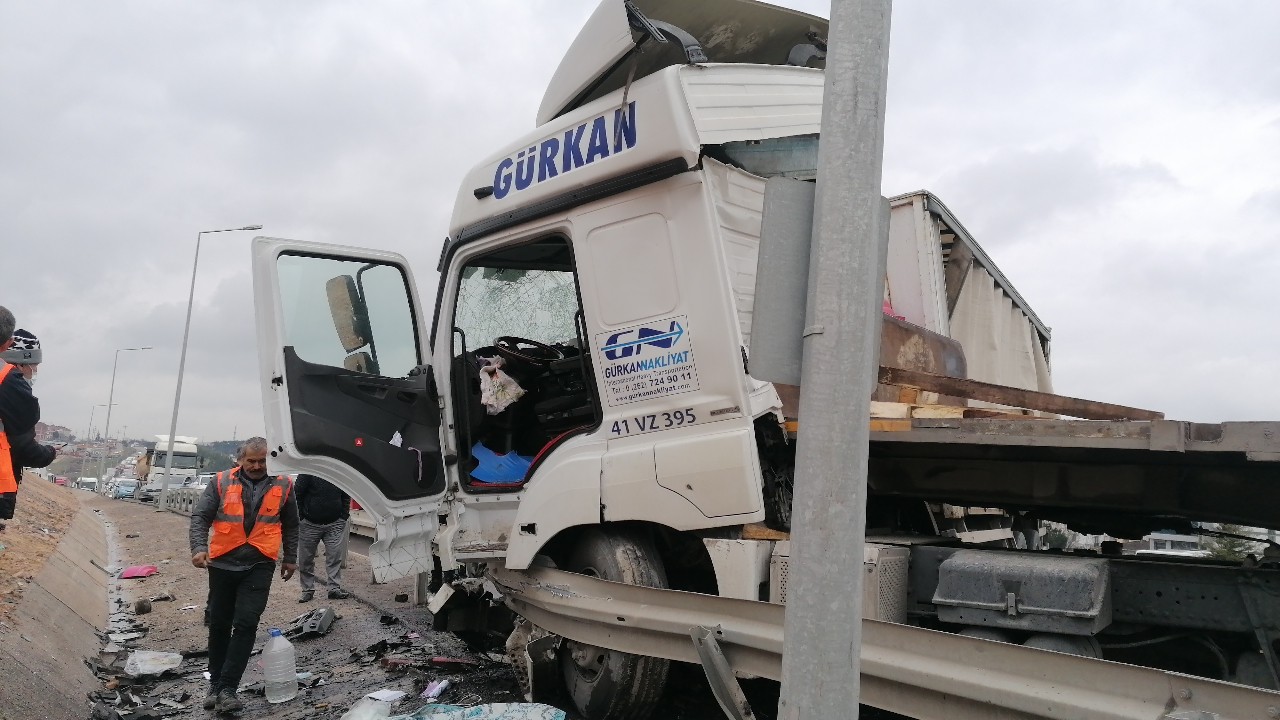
x=508, y=346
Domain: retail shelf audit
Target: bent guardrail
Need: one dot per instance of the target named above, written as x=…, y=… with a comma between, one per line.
x=908, y=670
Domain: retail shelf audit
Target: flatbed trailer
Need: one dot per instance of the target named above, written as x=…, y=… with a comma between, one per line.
x=1139, y=475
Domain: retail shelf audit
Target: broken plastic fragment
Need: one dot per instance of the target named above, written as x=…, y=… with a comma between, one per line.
x=368, y=709
x=150, y=662
x=492, y=711
x=139, y=571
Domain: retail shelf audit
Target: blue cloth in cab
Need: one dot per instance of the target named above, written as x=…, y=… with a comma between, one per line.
x=495, y=468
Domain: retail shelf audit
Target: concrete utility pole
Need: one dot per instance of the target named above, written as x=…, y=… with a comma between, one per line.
x=841, y=356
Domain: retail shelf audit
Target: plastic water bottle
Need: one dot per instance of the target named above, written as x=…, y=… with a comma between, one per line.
x=279, y=668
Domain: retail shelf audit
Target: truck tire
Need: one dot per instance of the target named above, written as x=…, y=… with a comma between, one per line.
x=607, y=684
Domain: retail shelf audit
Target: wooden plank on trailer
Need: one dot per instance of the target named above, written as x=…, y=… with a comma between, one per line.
x=1014, y=397
x=889, y=425
x=890, y=409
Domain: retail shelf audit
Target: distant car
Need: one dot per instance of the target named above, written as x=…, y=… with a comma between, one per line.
x=151, y=491
x=123, y=489
x=59, y=480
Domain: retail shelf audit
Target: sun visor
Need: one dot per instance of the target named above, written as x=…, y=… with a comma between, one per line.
x=601, y=44
x=729, y=31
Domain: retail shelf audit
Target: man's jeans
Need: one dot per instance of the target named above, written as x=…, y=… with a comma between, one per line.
x=236, y=601
x=334, y=537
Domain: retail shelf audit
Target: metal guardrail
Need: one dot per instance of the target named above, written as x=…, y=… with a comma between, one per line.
x=908, y=670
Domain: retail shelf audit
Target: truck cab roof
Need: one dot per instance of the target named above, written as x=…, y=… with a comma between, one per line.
x=607, y=51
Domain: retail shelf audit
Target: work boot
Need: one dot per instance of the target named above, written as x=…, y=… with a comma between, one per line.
x=211, y=699
x=228, y=702
x=339, y=594
x=306, y=596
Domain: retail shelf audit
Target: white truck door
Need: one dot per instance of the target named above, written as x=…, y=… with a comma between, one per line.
x=346, y=391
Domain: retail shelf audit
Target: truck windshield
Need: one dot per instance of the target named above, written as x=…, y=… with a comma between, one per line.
x=537, y=304
x=793, y=157
x=180, y=461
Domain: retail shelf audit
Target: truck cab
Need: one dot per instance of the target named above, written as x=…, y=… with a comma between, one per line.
x=585, y=362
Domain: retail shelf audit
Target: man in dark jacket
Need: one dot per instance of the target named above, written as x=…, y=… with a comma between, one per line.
x=324, y=510
x=25, y=355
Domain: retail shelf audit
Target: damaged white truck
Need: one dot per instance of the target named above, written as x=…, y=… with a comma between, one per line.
x=579, y=408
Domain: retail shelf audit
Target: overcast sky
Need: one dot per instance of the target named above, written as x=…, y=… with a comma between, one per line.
x=1119, y=161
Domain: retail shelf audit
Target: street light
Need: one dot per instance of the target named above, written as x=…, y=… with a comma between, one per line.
x=182, y=362
x=88, y=436
x=102, y=466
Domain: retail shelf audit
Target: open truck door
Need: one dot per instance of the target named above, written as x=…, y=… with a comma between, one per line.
x=346, y=389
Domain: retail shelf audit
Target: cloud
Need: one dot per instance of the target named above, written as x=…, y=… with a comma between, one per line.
x=1050, y=186
x=1116, y=162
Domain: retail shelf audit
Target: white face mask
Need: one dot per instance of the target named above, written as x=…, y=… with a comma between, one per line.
x=31, y=379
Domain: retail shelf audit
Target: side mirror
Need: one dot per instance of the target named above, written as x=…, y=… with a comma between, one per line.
x=349, y=313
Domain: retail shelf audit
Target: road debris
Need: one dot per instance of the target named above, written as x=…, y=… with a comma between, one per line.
x=151, y=662
x=127, y=636
x=142, y=606
x=311, y=624
x=492, y=711
x=368, y=709
x=436, y=689
x=138, y=571
x=453, y=663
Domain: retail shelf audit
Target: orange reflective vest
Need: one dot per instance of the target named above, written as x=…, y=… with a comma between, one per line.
x=8, y=480
x=228, y=526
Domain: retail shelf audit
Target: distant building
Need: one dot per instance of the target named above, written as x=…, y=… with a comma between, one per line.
x=46, y=433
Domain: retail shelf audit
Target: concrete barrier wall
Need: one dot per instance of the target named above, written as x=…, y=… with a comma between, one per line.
x=54, y=629
x=182, y=500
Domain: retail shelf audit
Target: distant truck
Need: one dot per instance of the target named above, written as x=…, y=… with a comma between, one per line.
x=150, y=467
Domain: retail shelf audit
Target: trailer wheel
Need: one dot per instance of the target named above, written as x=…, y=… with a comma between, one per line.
x=608, y=684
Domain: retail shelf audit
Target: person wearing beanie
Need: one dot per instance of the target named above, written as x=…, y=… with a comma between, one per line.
x=24, y=352
x=19, y=408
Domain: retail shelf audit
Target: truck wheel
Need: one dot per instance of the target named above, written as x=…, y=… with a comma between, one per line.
x=607, y=684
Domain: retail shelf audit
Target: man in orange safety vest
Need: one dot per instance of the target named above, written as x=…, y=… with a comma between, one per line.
x=253, y=518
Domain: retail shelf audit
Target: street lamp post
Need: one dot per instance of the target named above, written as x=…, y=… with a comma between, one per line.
x=88, y=436
x=110, y=401
x=182, y=363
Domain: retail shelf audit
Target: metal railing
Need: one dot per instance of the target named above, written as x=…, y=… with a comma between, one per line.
x=908, y=670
